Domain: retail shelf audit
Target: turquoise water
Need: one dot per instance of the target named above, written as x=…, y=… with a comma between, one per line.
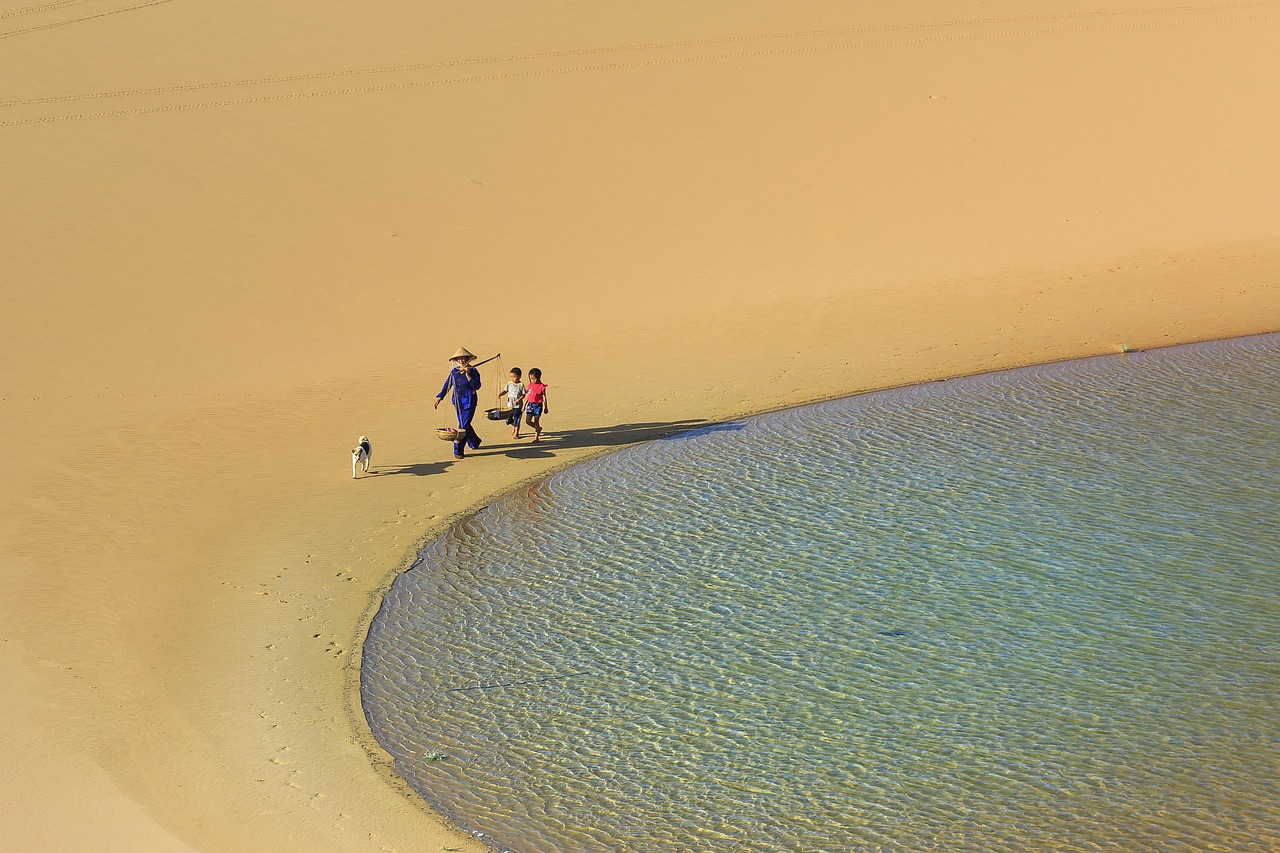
x=1033, y=610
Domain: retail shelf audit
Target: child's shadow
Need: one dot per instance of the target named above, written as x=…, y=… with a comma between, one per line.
x=528, y=451
x=515, y=449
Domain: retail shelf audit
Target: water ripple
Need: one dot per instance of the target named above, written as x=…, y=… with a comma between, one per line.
x=1035, y=610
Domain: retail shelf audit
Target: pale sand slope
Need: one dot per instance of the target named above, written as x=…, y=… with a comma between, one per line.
x=239, y=257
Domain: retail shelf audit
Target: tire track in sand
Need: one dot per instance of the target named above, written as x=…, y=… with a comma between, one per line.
x=612, y=66
x=43, y=7
x=30, y=10
x=560, y=54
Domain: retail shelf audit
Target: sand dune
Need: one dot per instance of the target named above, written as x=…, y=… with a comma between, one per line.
x=238, y=236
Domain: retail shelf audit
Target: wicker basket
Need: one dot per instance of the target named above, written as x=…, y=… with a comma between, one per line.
x=498, y=414
x=451, y=434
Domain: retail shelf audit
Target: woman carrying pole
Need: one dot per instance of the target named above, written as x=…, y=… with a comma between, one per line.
x=464, y=380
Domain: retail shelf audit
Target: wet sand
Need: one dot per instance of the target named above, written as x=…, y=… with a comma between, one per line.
x=237, y=238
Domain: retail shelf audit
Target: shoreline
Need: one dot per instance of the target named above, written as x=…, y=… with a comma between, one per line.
x=382, y=762
x=422, y=736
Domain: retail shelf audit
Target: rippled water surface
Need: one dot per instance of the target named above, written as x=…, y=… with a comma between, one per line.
x=1033, y=610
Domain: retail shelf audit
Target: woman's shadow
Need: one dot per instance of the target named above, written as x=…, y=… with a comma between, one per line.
x=418, y=469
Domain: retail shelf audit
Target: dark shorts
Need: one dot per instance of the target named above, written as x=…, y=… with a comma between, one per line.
x=533, y=410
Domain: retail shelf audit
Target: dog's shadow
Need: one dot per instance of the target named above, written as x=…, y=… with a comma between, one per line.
x=418, y=469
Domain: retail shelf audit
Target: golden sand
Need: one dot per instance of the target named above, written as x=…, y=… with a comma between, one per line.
x=235, y=237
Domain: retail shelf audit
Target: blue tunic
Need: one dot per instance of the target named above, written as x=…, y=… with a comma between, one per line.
x=465, y=384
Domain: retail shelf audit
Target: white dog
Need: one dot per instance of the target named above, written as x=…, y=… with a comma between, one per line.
x=361, y=456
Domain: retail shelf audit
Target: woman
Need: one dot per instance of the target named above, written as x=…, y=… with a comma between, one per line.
x=465, y=382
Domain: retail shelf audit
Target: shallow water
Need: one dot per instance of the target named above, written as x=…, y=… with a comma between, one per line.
x=1032, y=610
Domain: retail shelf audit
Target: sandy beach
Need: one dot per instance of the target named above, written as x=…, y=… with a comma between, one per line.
x=234, y=238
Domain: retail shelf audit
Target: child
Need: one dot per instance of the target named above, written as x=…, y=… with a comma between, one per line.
x=535, y=403
x=515, y=398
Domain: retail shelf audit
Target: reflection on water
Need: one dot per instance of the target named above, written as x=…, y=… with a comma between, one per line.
x=1033, y=610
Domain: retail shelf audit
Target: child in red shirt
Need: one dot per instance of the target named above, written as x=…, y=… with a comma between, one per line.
x=535, y=403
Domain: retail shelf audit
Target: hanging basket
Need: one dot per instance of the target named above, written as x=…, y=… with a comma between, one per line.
x=498, y=414
x=451, y=434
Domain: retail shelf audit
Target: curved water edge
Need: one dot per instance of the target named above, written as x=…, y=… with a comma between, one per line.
x=990, y=612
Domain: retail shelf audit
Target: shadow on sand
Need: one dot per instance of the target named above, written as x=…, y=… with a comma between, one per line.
x=618, y=435
x=420, y=469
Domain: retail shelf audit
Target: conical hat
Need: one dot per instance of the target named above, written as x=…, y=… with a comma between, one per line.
x=461, y=353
